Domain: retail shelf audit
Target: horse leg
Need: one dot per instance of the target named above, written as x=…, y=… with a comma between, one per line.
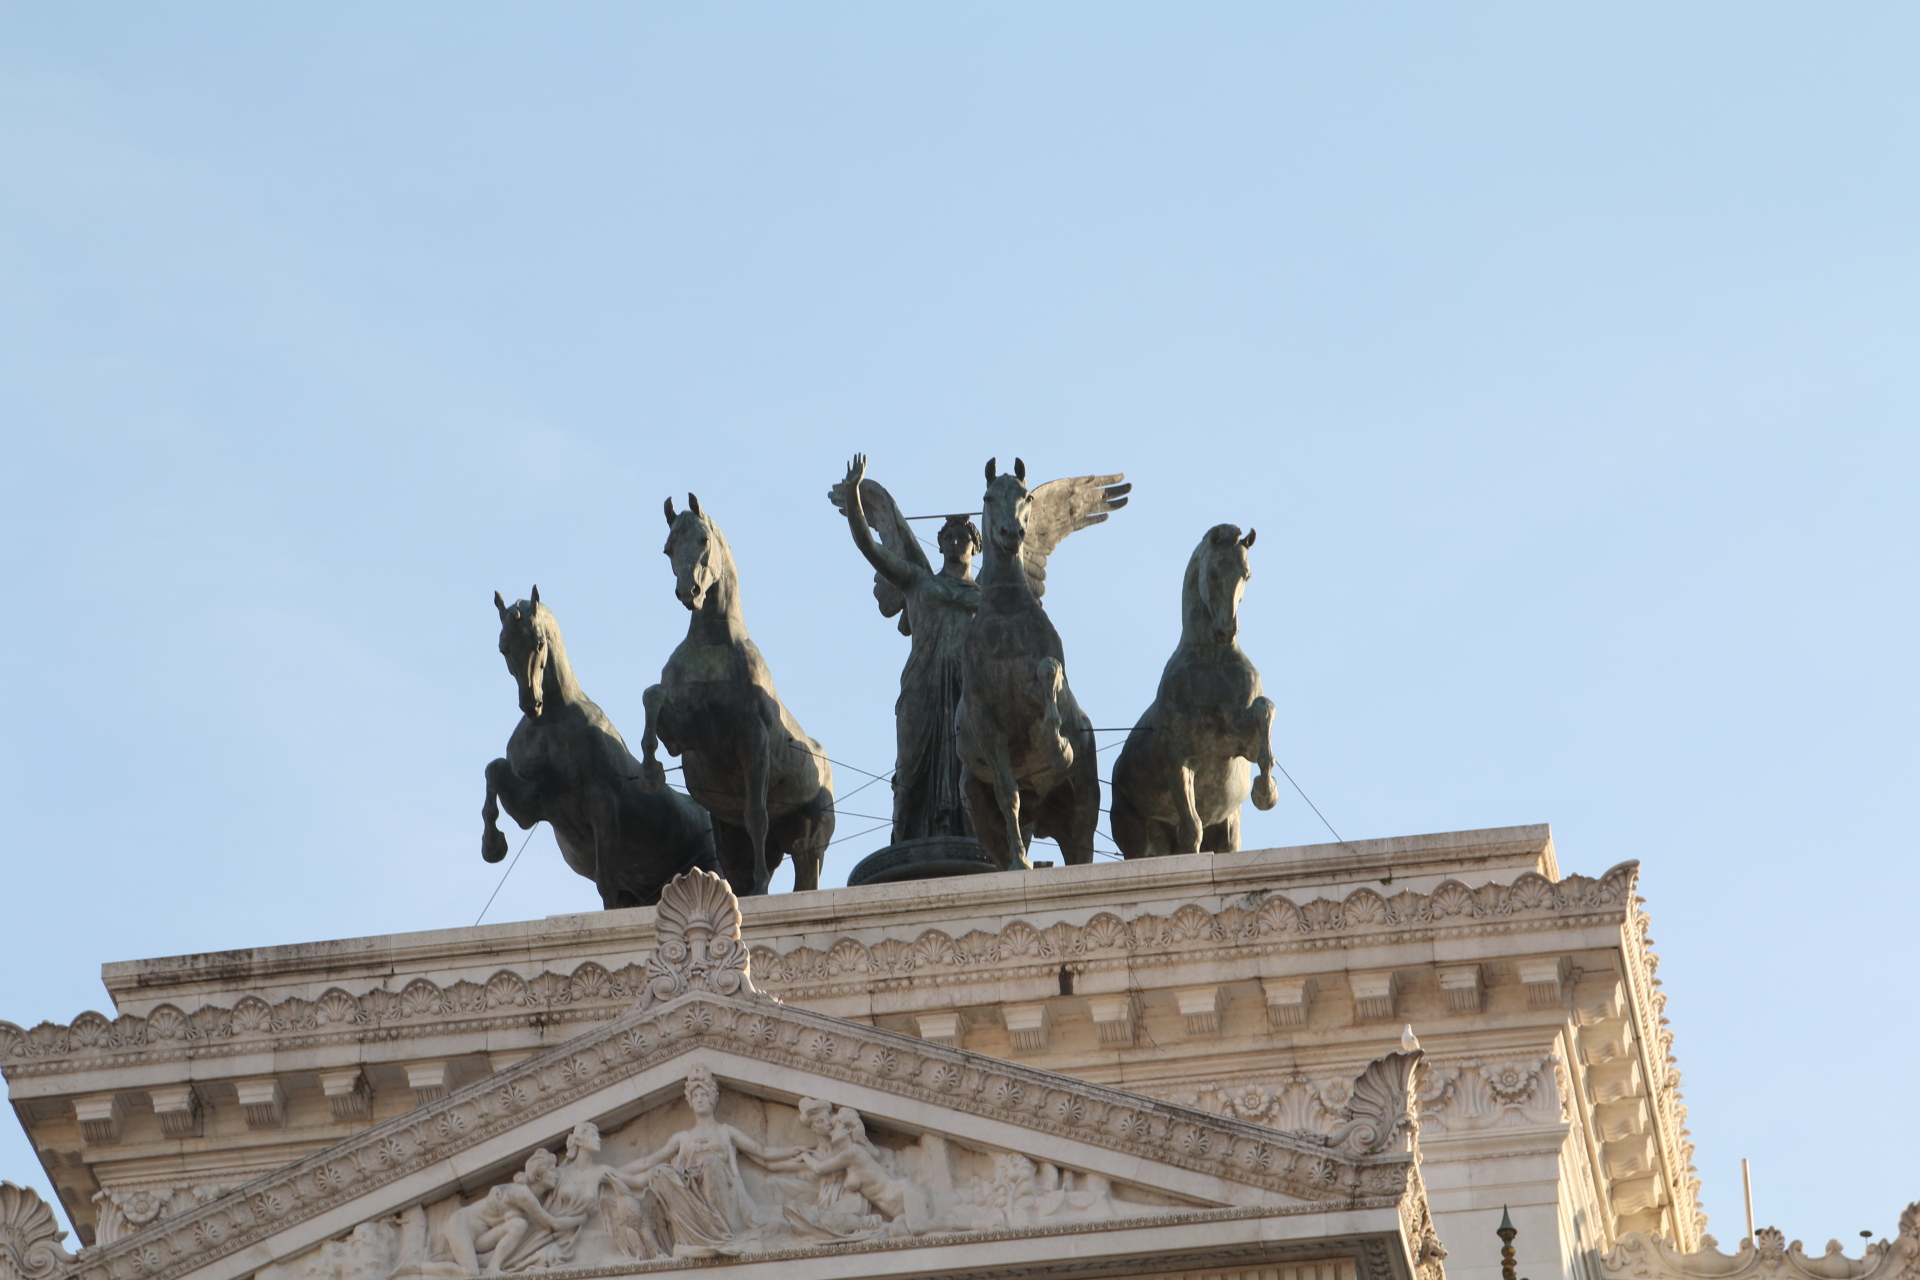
x=735, y=852
x=1129, y=825
x=493, y=845
x=521, y=799
x=989, y=824
x=654, y=701
x=1186, y=810
x=1048, y=739
x=1266, y=792
x=1006, y=794
x=1083, y=800
x=813, y=831
x=1078, y=849
x=607, y=866
x=756, y=771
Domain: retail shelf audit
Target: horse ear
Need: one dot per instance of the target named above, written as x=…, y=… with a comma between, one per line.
x=693, y=503
x=669, y=513
x=991, y=469
x=536, y=593
x=501, y=605
x=1020, y=470
x=1248, y=540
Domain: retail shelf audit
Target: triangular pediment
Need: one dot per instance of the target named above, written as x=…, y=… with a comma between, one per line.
x=815, y=1135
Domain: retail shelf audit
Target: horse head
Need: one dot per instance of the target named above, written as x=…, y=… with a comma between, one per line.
x=699, y=553
x=1005, y=509
x=1219, y=573
x=528, y=633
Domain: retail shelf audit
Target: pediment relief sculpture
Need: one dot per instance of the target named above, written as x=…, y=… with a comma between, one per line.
x=723, y=1175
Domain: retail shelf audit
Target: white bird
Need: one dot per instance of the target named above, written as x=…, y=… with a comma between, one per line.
x=1409, y=1041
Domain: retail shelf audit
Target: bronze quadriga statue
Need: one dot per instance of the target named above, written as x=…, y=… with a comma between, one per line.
x=1027, y=748
x=1184, y=771
x=567, y=765
x=766, y=783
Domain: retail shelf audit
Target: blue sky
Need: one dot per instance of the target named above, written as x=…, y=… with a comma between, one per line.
x=1564, y=357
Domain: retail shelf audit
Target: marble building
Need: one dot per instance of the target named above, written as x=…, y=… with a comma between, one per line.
x=1323, y=1063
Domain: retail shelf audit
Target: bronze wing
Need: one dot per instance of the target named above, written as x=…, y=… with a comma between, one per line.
x=1059, y=508
x=895, y=534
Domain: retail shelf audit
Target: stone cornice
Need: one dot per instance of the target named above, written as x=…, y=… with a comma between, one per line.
x=1663, y=1075
x=1259, y=923
x=1299, y=1166
x=190, y=980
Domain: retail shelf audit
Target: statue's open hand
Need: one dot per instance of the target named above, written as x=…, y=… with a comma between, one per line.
x=856, y=471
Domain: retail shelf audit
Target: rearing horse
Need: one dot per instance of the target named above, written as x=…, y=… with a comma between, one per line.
x=766, y=783
x=1183, y=773
x=1027, y=747
x=568, y=766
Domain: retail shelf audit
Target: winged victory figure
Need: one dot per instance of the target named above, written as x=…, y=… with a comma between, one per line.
x=935, y=608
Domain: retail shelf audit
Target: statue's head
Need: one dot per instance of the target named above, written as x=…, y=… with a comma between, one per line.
x=698, y=551
x=849, y=1127
x=526, y=635
x=1221, y=570
x=817, y=1115
x=1005, y=508
x=959, y=540
x=703, y=1091
x=585, y=1137
x=541, y=1173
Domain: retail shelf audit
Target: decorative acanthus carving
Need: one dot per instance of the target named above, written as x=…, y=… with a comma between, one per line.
x=594, y=993
x=697, y=945
x=1767, y=1257
x=29, y=1237
x=1383, y=1114
x=1455, y=1096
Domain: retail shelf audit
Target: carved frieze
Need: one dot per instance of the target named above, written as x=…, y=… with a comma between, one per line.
x=592, y=992
x=1456, y=1096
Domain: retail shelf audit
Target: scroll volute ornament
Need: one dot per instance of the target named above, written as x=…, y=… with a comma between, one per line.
x=697, y=945
x=1383, y=1114
x=29, y=1236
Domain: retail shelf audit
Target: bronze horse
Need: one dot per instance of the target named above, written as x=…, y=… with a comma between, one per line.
x=1027, y=747
x=568, y=766
x=1184, y=771
x=766, y=783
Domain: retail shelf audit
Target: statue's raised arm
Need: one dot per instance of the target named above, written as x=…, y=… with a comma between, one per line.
x=897, y=560
x=934, y=608
x=1061, y=507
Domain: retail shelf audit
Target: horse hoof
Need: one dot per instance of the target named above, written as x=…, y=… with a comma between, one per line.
x=1266, y=793
x=493, y=846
